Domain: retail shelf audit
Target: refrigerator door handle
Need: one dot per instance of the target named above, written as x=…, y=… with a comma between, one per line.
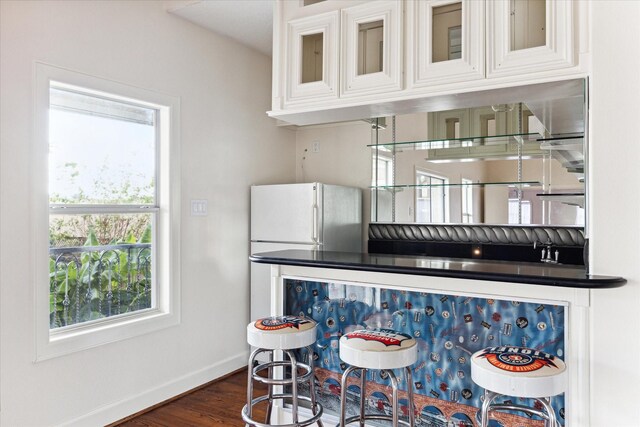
x=314, y=232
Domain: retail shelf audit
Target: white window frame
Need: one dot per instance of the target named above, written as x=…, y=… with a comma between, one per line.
x=526, y=212
x=445, y=194
x=386, y=180
x=467, y=200
x=166, y=313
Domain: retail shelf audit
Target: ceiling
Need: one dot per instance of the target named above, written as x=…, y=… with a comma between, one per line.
x=249, y=22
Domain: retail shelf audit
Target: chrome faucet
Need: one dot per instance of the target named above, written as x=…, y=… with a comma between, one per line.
x=546, y=253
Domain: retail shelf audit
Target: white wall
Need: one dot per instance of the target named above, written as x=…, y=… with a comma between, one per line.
x=228, y=143
x=615, y=212
x=343, y=158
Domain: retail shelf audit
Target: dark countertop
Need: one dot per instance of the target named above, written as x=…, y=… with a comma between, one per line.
x=500, y=271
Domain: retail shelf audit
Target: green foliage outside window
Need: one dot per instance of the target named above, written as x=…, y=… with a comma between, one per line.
x=94, y=284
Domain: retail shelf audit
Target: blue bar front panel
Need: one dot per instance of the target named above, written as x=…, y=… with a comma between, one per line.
x=448, y=328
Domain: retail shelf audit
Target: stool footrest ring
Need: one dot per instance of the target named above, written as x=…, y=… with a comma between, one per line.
x=300, y=423
x=373, y=417
x=285, y=381
x=513, y=407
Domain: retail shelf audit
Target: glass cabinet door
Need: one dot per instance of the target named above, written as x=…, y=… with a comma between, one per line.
x=530, y=36
x=445, y=41
x=312, y=58
x=372, y=42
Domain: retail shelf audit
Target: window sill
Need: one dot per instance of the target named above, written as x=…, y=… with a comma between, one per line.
x=69, y=340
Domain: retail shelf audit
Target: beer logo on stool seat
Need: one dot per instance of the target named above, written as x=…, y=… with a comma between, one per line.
x=280, y=322
x=517, y=359
x=387, y=337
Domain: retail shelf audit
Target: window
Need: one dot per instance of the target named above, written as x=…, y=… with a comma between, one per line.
x=513, y=211
x=431, y=194
x=102, y=206
x=467, y=201
x=383, y=174
x=111, y=156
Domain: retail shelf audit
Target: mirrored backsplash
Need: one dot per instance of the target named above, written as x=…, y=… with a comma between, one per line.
x=499, y=164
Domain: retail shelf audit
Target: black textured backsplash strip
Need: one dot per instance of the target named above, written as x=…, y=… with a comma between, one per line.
x=506, y=243
x=463, y=233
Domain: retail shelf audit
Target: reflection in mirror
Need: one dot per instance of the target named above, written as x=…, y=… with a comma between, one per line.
x=453, y=128
x=485, y=165
x=447, y=32
x=528, y=24
x=312, y=58
x=370, y=47
x=431, y=206
x=487, y=125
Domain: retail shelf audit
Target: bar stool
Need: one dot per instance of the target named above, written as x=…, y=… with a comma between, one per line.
x=285, y=333
x=380, y=349
x=520, y=372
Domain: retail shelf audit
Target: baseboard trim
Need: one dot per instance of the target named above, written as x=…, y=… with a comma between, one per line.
x=176, y=397
x=117, y=411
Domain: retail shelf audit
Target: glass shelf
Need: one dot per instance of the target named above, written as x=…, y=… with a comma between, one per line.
x=458, y=184
x=575, y=199
x=559, y=194
x=572, y=143
x=473, y=141
x=563, y=137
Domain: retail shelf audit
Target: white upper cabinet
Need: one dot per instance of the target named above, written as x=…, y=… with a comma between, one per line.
x=526, y=36
x=445, y=41
x=350, y=59
x=312, y=58
x=371, y=48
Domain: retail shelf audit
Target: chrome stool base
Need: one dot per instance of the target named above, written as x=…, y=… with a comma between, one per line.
x=270, y=381
x=482, y=416
x=373, y=417
x=363, y=416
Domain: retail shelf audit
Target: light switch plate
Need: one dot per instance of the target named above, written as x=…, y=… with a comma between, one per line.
x=199, y=207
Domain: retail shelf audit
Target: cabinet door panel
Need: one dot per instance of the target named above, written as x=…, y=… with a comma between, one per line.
x=371, y=42
x=526, y=36
x=445, y=41
x=312, y=58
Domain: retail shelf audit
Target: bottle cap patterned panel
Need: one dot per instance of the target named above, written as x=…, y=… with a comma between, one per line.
x=448, y=330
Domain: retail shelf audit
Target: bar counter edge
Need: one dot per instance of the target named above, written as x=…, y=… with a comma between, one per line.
x=497, y=271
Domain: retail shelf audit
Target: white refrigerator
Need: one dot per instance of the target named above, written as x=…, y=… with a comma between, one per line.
x=300, y=216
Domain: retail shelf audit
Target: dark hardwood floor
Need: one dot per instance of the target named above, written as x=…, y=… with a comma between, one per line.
x=215, y=404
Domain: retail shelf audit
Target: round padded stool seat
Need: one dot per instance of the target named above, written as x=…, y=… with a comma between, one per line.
x=378, y=349
x=518, y=371
x=281, y=332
